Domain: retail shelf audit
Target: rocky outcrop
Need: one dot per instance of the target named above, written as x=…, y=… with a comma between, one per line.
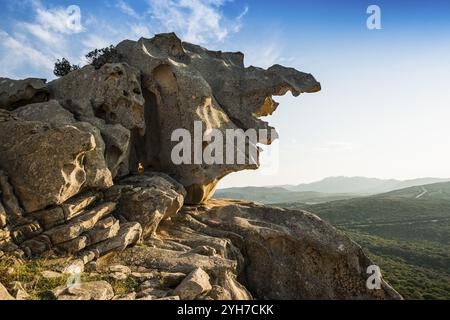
x=45, y=165
x=147, y=199
x=245, y=250
x=83, y=226
x=112, y=93
x=52, y=113
x=86, y=173
x=16, y=93
x=183, y=83
x=96, y=290
x=195, y=284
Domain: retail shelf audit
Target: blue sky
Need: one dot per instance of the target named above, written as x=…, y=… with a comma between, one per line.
x=384, y=108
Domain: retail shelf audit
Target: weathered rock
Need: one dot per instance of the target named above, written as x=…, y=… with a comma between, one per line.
x=300, y=256
x=169, y=298
x=4, y=294
x=80, y=224
x=70, y=209
x=117, y=145
x=183, y=83
x=75, y=206
x=147, y=199
x=112, y=93
x=49, y=218
x=16, y=93
x=171, y=280
x=106, y=229
x=195, y=284
x=74, y=245
x=97, y=290
x=4, y=234
x=52, y=113
x=26, y=231
x=44, y=164
x=219, y=293
x=129, y=234
x=151, y=294
x=127, y=296
x=37, y=245
x=12, y=209
x=119, y=268
x=19, y=291
x=3, y=218
x=323, y=263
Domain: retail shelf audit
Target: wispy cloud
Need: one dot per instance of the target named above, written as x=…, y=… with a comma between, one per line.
x=61, y=20
x=31, y=45
x=199, y=21
x=127, y=9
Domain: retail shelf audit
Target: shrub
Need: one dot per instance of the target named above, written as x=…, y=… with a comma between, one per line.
x=63, y=67
x=100, y=57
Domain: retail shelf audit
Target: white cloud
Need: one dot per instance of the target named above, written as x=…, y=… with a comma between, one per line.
x=125, y=8
x=49, y=37
x=62, y=20
x=198, y=21
x=16, y=54
x=140, y=30
x=31, y=46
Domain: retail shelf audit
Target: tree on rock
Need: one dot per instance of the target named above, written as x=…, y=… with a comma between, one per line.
x=100, y=57
x=63, y=67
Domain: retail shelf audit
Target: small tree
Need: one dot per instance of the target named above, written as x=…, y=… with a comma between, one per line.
x=63, y=67
x=99, y=57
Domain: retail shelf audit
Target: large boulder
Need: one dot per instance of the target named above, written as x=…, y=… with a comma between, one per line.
x=288, y=254
x=97, y=173
x=16, y=93
x=44, y=164
x=249, y=250
x=147, y=199
x=112, y=93
x=183, y=83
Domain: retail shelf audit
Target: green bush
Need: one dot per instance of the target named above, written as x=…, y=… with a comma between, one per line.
x=99, y=57
x=63, y=67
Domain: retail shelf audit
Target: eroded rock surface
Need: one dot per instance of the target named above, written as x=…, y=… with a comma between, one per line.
x=271, y=252
x=45, y=165
x=86, y=173
x=16, y=93
x=183, y=83
x=148, y=199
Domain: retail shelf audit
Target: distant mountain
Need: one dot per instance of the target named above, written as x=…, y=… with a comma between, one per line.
x=329, y=189
x=361, y=185
x=268, y=195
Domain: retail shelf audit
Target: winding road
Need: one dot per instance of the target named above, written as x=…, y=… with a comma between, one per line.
x=424, y=192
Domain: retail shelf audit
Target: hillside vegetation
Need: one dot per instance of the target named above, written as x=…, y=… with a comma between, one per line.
x=406, y=232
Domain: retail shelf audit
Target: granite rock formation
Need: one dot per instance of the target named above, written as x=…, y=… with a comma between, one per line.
x=87, y=181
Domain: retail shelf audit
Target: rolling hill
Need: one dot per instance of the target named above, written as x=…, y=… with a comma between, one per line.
x=329, y=189
x=361, y=185
x=268, y=195
x=406, y=232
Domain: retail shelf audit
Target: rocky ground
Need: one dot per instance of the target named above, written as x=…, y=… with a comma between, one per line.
x=93, y=208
